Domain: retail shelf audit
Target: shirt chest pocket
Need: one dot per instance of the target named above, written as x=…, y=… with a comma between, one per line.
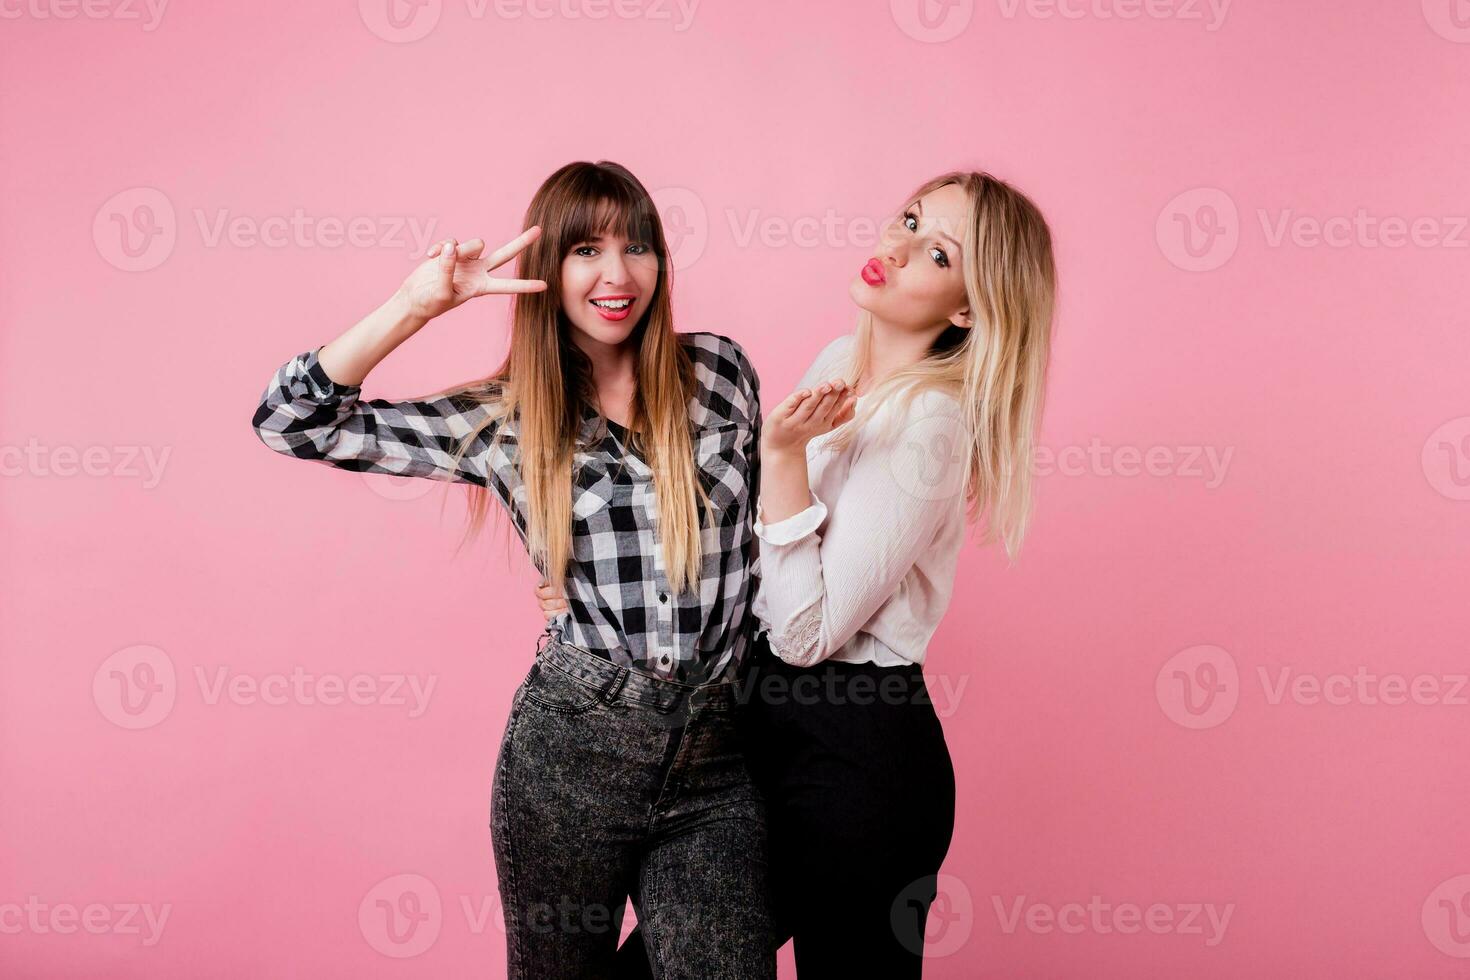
x=592, y=486
x=719, y=451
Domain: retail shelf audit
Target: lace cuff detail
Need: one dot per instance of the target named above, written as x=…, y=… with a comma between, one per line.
x=797, y=643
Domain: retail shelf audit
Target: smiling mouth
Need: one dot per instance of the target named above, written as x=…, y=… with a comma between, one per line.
x=613, y=308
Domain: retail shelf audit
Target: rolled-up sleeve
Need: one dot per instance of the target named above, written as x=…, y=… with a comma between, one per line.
x=304, y=414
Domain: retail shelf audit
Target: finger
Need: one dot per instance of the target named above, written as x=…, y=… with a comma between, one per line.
x=845, y=410
x=512, y=248
x=832, y=403
x=467, y=250
x=810, y=407
x=447, y=258
x=491, y=285
x=792, y=403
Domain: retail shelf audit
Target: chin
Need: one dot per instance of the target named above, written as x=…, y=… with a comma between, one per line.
x=604, y=332
x=861, y=293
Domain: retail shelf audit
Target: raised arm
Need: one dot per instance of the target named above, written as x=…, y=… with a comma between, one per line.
x=312, y=408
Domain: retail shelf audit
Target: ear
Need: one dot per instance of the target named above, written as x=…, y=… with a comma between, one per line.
x=963, y=319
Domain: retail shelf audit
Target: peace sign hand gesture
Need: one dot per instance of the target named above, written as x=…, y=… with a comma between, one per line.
x=456, y=273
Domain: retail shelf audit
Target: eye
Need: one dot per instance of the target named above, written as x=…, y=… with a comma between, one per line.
x=910, y=216
x=639, y=248
x=585, y=251
x=940, y=259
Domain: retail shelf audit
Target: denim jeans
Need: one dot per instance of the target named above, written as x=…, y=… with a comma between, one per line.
x=612, y=783
x=860, y=793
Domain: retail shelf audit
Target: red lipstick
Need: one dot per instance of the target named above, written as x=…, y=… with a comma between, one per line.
x=873, y=273
x=621, y=304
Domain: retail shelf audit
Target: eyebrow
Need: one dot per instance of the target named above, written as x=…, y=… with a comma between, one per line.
x=919, y=205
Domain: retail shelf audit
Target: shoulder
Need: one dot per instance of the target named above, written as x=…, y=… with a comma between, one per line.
x=931, y=416
x=836, y=348
x=729, y=385
x=721, y=354
x=830, y=361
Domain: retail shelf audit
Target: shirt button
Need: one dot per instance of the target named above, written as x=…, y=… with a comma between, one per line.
x=663, y=597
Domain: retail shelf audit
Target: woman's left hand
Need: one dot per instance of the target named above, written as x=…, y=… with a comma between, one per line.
x=806, y=414
x=553, y=601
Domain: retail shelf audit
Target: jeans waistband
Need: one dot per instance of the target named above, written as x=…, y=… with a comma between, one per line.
x=623, y=684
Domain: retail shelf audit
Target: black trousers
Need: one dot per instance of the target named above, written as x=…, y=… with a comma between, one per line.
x=860, y=797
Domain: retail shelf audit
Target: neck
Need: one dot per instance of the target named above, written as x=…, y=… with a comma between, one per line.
x=891, y=349
x=612, y=364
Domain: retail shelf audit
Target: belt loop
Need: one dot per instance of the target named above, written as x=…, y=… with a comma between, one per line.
x=546, y=634
x=611, y=688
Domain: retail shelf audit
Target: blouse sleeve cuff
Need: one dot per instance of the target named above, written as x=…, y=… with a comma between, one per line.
x=322, y=386
x=793, y=528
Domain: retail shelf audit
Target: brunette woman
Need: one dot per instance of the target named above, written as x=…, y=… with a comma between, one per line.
x=624, y=455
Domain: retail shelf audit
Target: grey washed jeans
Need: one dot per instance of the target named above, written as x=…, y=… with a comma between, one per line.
x=609, y=784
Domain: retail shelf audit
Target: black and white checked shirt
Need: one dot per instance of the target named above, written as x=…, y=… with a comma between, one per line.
x=619, y=602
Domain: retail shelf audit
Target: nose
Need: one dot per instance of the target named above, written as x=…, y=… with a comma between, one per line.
x=892, y=253
x=891, y=250
x=614, y=269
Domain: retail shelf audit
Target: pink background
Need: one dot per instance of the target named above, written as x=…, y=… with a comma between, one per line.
x=1090, y=761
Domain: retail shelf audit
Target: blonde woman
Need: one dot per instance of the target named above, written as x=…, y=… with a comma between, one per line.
x=897, y=438
x=624, y=454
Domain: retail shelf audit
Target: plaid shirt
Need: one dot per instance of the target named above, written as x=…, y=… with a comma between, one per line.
x=619, y=602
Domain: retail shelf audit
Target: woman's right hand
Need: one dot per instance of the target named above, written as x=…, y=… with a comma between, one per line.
x=451, y=275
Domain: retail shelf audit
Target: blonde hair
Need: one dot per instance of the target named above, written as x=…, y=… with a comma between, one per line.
x=546, y=381
x=996, y=369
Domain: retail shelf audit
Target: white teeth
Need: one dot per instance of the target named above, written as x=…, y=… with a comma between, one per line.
x=613, y=304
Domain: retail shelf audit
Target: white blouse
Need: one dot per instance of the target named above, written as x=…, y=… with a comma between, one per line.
x=869, y=578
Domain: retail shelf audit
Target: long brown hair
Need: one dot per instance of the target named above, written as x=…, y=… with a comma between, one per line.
x=545, y=382
x=996, y=368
